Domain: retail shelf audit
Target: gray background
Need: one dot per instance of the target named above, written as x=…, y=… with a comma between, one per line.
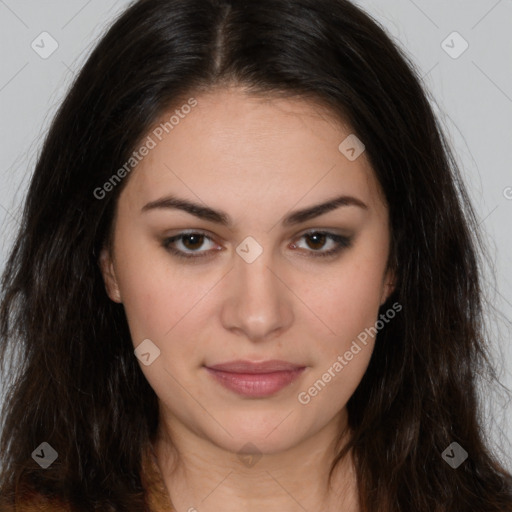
x=472, y=95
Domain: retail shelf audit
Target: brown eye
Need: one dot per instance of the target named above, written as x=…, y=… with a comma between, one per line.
x=190, y=243
x=316, y=240
x=193, y=241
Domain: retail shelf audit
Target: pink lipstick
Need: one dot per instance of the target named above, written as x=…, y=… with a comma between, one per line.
x=255, y=380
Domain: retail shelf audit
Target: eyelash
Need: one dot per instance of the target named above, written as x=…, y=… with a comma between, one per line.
x=342, y=242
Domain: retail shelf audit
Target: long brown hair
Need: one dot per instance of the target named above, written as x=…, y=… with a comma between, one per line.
x=75, y=382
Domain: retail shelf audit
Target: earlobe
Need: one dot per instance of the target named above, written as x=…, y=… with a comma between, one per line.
x=388, y=288
x=109, y=276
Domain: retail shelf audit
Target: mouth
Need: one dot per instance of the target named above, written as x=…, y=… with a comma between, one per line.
x=255, y=380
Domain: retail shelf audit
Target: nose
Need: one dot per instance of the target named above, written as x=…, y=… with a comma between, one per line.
x=258, y=303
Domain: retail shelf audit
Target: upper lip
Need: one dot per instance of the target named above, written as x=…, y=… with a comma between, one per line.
x=270, y=366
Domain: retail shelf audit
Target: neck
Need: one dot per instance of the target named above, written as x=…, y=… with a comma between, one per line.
x=201, y=475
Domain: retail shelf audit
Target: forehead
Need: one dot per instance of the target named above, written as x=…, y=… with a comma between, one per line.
x=232, y=146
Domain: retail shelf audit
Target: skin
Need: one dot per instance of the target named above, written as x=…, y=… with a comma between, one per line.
x=257, y=160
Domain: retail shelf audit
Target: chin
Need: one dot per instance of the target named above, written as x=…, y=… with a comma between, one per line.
x=266, y=434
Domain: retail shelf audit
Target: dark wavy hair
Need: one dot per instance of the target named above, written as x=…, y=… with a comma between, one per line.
x=75, y=382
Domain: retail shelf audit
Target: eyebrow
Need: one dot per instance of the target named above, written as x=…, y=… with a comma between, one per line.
x=220, y=217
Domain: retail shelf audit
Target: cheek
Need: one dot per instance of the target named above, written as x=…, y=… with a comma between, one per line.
x=170, y=305
x=164, y=306
x=348, y=304
x=350, y=309
x=155, y=294
x=348, y=301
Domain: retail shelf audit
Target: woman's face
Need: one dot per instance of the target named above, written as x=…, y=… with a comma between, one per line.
x=255, y=287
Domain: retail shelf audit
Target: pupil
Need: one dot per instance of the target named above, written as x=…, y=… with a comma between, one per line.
x=198, y=238
x=317, y=236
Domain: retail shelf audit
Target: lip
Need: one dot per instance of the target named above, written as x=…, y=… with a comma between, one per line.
x=255, y=379
x=242, y=366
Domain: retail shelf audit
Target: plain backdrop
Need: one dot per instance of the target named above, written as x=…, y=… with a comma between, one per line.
x=462, y=49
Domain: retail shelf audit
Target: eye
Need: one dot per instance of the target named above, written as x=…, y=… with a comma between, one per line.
x=317, y=239
x=192, y=241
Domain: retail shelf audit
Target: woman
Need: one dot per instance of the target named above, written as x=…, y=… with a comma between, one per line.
x=246, y=278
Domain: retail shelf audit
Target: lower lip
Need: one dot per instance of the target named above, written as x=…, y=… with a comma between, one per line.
x=255, y=385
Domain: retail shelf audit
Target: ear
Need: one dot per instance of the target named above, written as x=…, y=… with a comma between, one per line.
x=109, y=276
x=388, y=286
